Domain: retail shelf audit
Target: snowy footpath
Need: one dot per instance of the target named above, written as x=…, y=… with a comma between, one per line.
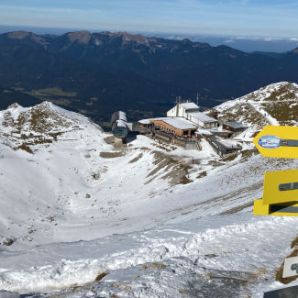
x=238, y=252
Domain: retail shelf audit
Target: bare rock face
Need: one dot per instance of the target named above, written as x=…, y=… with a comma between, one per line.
x=137, y=38
x=82, y=37
x=19, y=34
x=29, y=36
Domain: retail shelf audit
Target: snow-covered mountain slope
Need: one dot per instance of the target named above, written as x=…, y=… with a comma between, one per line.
x=61, y=181
x=222, y=256
x=156, y=219
x=274, y=104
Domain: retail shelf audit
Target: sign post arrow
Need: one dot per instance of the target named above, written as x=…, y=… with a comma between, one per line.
x=280, y=196
x=278, y=142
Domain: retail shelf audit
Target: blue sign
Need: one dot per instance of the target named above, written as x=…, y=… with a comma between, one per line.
x=269, y=142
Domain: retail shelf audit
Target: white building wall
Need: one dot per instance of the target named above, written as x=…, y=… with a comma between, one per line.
x=180, y=111
x=173, y=112
x=211, y=125
x=195, y=120
x=183, y=113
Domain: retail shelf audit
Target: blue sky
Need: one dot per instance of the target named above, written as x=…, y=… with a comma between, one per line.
x=249, y=18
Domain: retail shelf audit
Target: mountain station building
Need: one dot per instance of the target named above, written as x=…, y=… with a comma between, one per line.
x=190, y=111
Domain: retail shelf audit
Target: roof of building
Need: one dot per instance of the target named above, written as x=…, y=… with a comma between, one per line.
x=203, y=117
x=219, y=130
x=148, y=121
x=228, y=144
x=201, y=131
x=145, y=121
x=234, y=124
x=189, y=105
x=179, y=123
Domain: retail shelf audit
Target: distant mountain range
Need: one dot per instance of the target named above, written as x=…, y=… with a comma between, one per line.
x=97, y=73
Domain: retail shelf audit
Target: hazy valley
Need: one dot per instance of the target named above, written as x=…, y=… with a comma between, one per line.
x=95, y=72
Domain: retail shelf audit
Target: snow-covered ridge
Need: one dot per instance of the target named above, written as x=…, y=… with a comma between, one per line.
x=273, y=104
x=22, y=128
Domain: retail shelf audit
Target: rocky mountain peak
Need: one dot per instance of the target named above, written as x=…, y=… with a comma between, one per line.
x=23, y=128
x=82, y=37
x=20, y=35
x=127, y=37
x=275, y=104
x=24, y=35
x=295, y=51
x=14, y=106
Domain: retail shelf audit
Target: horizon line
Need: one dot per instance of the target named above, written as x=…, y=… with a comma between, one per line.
x=63, y=30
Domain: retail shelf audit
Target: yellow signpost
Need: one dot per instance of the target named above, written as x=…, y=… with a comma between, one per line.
x=280, y=196
x=278, y=142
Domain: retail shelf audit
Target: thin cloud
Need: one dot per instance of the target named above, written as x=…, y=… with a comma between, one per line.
x=215, y=17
